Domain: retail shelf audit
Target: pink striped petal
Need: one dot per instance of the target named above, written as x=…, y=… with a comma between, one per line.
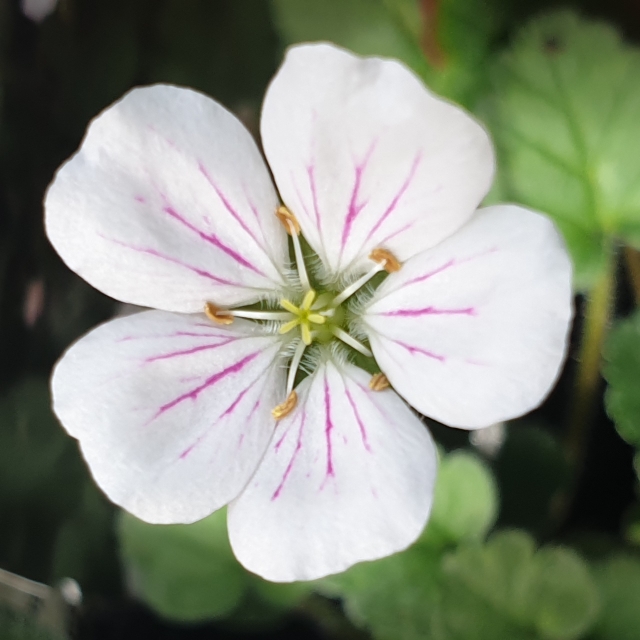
x=172, y=413
x=366, y=157
x=474, y=331
x=167, y=204
x=348, y=476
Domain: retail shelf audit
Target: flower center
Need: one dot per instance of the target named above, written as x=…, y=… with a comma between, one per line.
x=316, y=317
x=305, y=316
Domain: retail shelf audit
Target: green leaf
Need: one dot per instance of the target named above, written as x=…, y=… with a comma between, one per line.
x=463, y=33
x=394, y=597
x=85, y=545
x=368, y=27
x=564, y=113
x=507, y=590
x=619, y=582
x=465, y=502
x=184, y=572
x=531, y=469
x=563, y=596
x=622, y=372
x=41, y=476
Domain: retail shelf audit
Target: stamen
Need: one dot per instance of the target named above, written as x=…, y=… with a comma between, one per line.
x=293, y=366
x=217, y=315
x=297, y=249
x=286, y=407
x=351, y=341
x=352, y=288
x=379, y=382
x=389, y=262
x=292, y=226
x=287, y=218
x=260, y=315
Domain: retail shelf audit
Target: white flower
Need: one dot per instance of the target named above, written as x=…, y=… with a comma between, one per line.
x=169, y=204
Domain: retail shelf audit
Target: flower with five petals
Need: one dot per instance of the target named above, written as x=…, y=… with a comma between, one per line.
x=245, y=387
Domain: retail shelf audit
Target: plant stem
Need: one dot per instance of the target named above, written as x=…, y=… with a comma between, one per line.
x=632, y=258
x=430, y=42
x=597, y=314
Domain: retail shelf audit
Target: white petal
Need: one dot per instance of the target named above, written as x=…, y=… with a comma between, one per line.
x=474, y=331
x=38, y=10
x=172, y=413
x=167, y=204
x=366, y=157
x=348, y=476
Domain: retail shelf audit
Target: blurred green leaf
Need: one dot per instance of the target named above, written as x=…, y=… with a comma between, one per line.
x=621, y=370
x=507, y=590
x=189, y=573
x=564, y=113
x=32, y=442
x=394, y=597
x=458, y=37
x=85, y=545
x=619, y=582
x=465, y=502
x=530, y=469
x=368, y=27
x=41, y=478
x=184, y=572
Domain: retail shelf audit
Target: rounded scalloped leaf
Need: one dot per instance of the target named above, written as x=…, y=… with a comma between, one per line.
x=465, y=503
x=618, y=580
x=557, y=92
x=622, y=372
x=393, y=597
x=184, y=572
x=565, y=599
x=507, y=589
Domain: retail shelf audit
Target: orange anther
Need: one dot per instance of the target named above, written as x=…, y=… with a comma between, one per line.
x=286, y=407
x=217, y=315
x=288, y=219
x=390, y=263
x=379, y=382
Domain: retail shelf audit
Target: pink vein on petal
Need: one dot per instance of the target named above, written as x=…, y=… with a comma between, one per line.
x=363, y=431
x=230, y=409
x=453, y=262
x=413, y=350
x=175, y=334
x=211, y=239
x=429, y=311
x=186, y=352
x=162, y=256
x=314, y=195
x=194, y=393
x=356, y=207
x=396, y=199
x=328, y=428
x=386, y=239
x=227, y=205
x=292, y=460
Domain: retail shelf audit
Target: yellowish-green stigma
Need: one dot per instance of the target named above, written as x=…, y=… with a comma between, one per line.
x=305, y=317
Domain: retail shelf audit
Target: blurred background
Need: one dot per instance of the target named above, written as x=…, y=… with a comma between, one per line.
x=536, y=527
